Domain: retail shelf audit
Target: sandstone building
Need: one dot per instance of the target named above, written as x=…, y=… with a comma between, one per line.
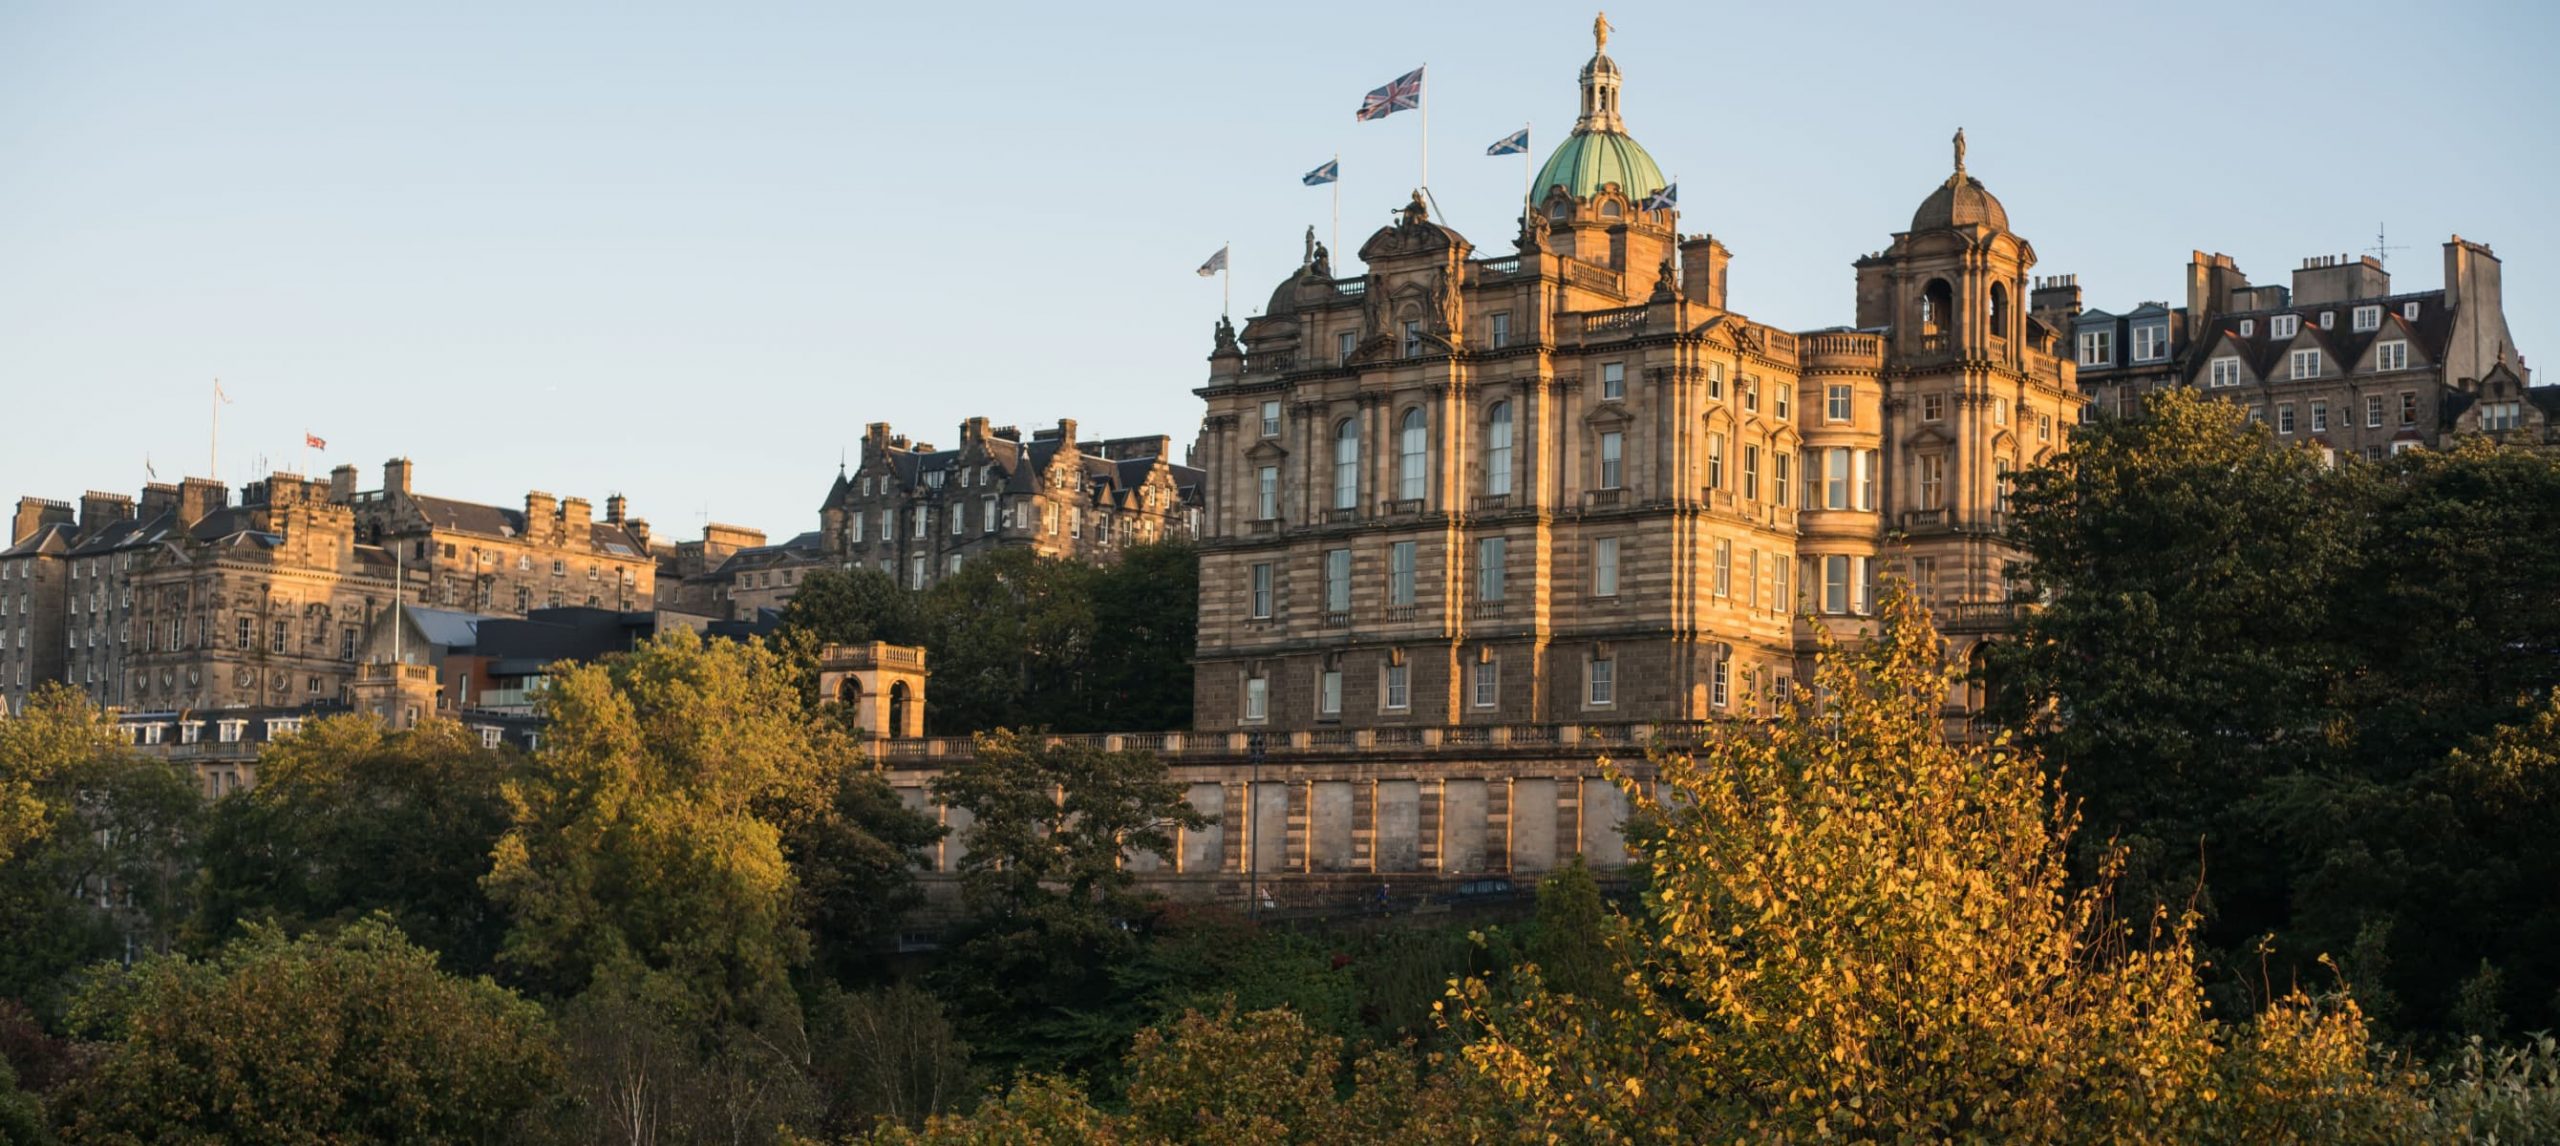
x=1569, y=484
x=2338, y=359
x=919, y=514
x=185, y=601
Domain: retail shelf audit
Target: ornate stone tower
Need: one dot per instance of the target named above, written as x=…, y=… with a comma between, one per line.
x=1976, y=389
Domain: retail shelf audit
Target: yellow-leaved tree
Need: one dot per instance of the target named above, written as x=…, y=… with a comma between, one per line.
x=1852, y=928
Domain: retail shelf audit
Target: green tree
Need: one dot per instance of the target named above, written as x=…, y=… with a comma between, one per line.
x=1012, y=645
x=1146, y=621
x=2262, y=668
x=348, y=818
x=355, y=1037
x=851, y=606
x=887, y=1056
x=1055, y=910
x=1569, y=942
x=1853, y=928
x=648, y=837
x=1258, y=1079
x=101, y=859
x=2184, y=648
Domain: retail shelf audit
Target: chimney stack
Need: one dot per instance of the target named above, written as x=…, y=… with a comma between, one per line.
x=395, y=476
x=342, y=485
x=198, y=498
x=35, y=513
x=541, y=514
x=614, y=508
x=577, y=519
x=1702, y=270
x=98, y=509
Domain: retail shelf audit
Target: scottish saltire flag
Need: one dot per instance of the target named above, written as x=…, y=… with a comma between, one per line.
x=1331, y=171
x=1405, y=94
x=1512, y=144
x=1216, y=263
x=1667, y=199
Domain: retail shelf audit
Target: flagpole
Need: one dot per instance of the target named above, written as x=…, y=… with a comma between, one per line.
x=1337, y=202
x=1422, y=95
x=1528, y=173
x=213, y=448
x=1226, y=280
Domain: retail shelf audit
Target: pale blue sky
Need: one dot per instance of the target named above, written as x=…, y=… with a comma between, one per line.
x=686, y=252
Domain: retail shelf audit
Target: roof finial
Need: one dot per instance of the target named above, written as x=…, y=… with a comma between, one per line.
x=1600, y=34
x=1959, y=151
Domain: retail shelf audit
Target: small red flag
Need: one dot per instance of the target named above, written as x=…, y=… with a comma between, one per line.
x=313, y=440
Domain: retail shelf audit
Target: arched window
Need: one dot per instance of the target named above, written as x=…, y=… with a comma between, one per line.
x=1346, y=464
x=1412, y=452
x=1937, y=308
x=897, y=712
x=1611, y=210
x=1497, y=450
x=1999, y=311
x=1558, y=210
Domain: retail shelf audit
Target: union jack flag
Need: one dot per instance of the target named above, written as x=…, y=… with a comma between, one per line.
x=1404, y=94
x=313, y=441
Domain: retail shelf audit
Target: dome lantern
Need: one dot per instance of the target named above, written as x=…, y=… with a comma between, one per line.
x=1600, y=152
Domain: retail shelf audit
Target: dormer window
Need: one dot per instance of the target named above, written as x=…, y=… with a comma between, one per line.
x=2409, y=310
x=2150, y=343
x=1557, y=210
x=2367, y=318
x=2097, y=348
x=2248, y=328
x=2284, y=326
x=2328, y=320
x=1611, y=210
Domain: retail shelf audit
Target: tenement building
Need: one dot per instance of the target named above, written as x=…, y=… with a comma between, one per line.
x=2337, y=360
x=1571, y=483
x=918, y=513
x=187, y=601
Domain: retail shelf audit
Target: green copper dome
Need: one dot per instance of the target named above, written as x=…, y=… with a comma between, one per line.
x=1590, y=159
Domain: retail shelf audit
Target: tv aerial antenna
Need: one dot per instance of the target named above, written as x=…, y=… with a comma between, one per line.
x=2383, y=246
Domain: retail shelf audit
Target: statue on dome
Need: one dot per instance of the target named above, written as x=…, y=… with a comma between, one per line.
x=1959, y=151
x=1321, y=262
x=1600, y=33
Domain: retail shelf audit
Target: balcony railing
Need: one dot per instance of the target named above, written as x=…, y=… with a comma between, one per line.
x=1624, y=321
x=1402, y=612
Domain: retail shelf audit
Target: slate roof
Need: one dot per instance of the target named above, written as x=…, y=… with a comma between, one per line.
x=2265, y=353
x=455, y=516
x=55, y=537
